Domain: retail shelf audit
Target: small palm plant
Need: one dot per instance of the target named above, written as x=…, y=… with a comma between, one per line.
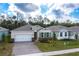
x=54, y=39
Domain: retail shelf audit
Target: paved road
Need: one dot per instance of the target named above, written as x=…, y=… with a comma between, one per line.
x=54, y=52
x=24, y=48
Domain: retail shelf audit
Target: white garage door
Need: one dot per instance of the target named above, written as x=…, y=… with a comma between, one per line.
x=20, y=38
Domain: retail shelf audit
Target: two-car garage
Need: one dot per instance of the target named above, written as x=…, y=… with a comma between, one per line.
x=22, y=34
x=20, y=38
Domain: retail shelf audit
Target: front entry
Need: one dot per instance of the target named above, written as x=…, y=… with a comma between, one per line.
x=35, y=36
x=76, y=36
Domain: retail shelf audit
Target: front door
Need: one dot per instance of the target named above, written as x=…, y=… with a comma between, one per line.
x=76, y=36
x=35, y=35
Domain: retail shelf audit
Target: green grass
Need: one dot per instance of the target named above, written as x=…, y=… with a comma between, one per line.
x=6, y=49
x=57, y=45
x=70, y=54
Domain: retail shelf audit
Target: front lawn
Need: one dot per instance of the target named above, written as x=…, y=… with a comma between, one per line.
x=6, y=49
x=57, y=45
x=70, y=54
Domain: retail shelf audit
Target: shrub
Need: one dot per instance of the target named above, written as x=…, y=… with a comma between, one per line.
x=50, y=40
x=7, y=38
x=66, y=40
x=12, y=41
x=3, y=37
x=54, y=36
x=44, y=40
x=33, y=39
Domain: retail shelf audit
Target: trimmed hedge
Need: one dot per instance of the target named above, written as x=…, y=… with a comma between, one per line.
x=67, y=40
x=45, y=40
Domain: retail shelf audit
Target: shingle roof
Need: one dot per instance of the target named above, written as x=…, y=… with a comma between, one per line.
x=28, y=28
x=74, y=28
x=57, y=28
x=36, y=27
x=52, y=28
x=3, y=29
x=24, y=28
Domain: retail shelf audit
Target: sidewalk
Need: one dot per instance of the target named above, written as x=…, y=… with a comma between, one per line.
x=54, y=52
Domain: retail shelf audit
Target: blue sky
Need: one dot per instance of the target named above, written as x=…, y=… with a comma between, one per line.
x=75, y=13
x=44, y=8
x=4, y=7
x=69, y=9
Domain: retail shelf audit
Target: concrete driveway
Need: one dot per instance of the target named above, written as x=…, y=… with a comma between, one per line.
x=24, y=48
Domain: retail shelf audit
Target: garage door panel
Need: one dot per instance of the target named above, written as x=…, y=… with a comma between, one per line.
x=19, y=38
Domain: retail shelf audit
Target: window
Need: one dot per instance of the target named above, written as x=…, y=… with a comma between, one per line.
x=41, y=35
x=47, y=34
x=65, y=33
x=61, y=34
x=70, y=33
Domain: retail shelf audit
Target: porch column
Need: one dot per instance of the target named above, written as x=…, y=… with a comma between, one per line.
x=43, y=34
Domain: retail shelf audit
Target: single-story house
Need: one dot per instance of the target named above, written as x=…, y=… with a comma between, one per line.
x=61, y=32
x=3, y=31
x=29, y=32
x=25, y=33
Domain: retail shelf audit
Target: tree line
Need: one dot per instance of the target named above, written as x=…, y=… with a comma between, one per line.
x=15, y=22
x=12, y=23
x=45, y=22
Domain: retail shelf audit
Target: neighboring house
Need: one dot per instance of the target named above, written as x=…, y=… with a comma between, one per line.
x=25, y=33
x=3, y=31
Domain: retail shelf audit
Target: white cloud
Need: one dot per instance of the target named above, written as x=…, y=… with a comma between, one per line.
x=51, y=16
x=14, y=9
x=4, y=14
x=33, y=14
x=11, y=7
x=53, y=5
